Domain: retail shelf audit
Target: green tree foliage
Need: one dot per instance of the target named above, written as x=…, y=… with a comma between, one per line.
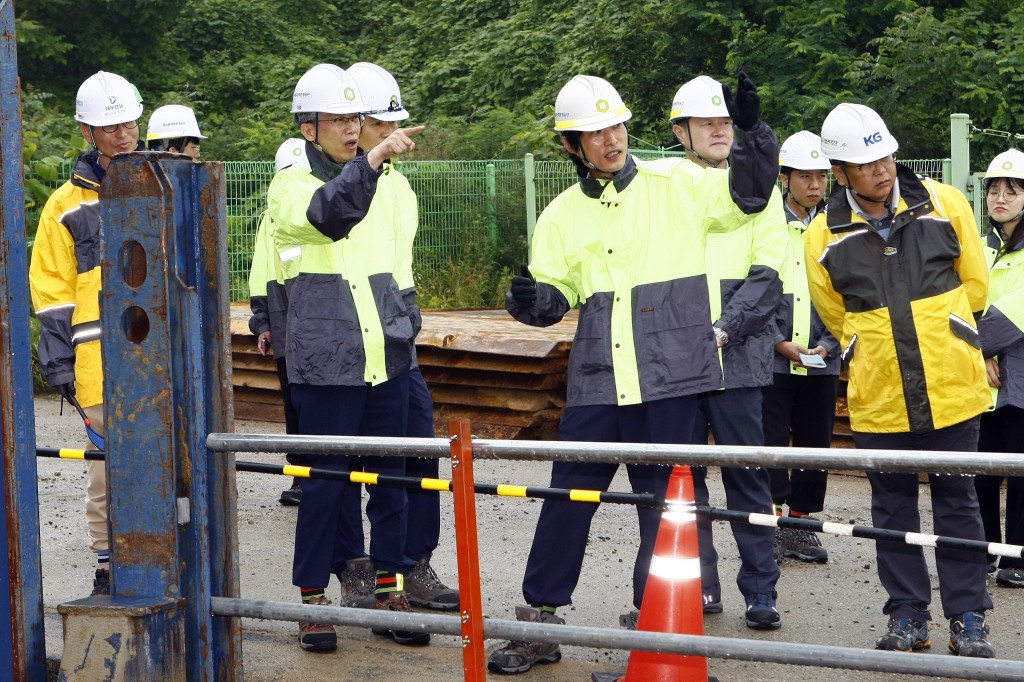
x=483, y=75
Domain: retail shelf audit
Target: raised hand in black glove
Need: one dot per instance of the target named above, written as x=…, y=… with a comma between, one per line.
x=745, y=107
x=67, y=390
x=524, y=288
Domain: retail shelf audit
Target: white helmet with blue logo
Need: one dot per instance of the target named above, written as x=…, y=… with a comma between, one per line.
x=854, y=133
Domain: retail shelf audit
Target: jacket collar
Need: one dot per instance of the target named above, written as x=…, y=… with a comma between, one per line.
x=87, y=173
x=322, y=168
x=913, y=196
x=594, y=188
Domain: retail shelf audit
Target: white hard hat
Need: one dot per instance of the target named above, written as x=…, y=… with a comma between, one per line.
x=292, y=152
x=172, y=121
x=701, y=97
x=854, y=133
x=106, y=99
x=326, y=88
x=380, y=91
x=589, y=103
x=802, y=151
x=1009, y=164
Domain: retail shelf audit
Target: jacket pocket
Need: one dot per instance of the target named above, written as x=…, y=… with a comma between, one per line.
x=965, y=330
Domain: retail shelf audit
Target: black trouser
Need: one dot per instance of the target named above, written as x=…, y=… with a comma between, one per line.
x=560, y=540
x=901, y=567
x=734, y=417
x=1002, y=431
x=291, y=417
x=801, y=407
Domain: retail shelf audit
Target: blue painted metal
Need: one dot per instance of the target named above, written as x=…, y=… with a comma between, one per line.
x=165, y=343
x=22, y=638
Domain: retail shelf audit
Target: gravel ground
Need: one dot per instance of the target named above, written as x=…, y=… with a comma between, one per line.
x=838, y=603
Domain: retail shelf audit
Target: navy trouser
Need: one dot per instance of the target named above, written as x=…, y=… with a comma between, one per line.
x=323, y=520
x=424, y=519
x=901, y=567
x=560, y=540
x=734, y=417
x=1002, y=431
x=801, y=407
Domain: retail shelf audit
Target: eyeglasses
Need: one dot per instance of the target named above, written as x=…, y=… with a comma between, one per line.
x=995, y=193
x=873, y=166
x=128, y=125
x=351, y=120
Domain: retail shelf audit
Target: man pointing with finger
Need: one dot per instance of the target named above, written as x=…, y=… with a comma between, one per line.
x=626, y=244
x=349, y=335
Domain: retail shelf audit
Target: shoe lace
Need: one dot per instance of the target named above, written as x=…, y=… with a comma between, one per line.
x=974, y=627
x=425, y=575
x=806, y=537
x=761, y=599
x=902, y=627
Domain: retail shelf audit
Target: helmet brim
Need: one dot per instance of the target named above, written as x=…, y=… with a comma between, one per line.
x=590, y=126
x=399, y=115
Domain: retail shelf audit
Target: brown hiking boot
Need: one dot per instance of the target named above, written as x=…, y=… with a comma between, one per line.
x=518, y=657
x=358, y=581
x=317, y=636
x=398, y=602
x=425, y=589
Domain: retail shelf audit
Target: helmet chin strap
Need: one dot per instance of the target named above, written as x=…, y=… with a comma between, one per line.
x=707, y=162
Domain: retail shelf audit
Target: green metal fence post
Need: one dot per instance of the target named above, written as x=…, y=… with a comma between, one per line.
x=492, y=205
x=531, y=202
x=960, y=151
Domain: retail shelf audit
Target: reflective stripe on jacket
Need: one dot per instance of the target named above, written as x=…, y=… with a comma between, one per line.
x=903, y=308
x=631, y=253
x=64, y=280
x=1002, y=325
x=796, y=319
x=348, y=321
x=745, y=290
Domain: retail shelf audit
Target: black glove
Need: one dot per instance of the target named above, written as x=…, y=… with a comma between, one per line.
x=745, y=108
x=524, y=288
x=67, y=390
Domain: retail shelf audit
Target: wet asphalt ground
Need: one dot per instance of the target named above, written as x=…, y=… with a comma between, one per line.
x=838, y=603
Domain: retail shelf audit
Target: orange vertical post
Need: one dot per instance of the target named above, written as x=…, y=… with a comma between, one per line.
x=672, y=598
x=470, y=602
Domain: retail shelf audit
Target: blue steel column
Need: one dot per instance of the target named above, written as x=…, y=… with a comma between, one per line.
x=22, y=639
x=165, y=343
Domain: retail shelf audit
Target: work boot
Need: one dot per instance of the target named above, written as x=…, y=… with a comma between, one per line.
x=629, y=620
x=358, y=581
x=1010, y=577
x=712, y=603
x=905, y=634
x=761, y=611
x=801, y=544
x=426, y=590
x=317, y=636
x=399, y=602
x=291, y=497
x=517, y=656
x=967, y=636
x=101, y=583
x=779, y=550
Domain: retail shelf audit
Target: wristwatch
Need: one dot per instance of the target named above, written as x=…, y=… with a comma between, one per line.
x=721, y=336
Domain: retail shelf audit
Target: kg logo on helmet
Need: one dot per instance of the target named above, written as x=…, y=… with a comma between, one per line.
x=716, y=100
x=602, y=105
x=1007, y=165
x=350, y=94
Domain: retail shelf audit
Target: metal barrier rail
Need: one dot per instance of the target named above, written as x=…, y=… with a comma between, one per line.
x=815, y=655
x=901, y=461
x=387, y=481
x=597, y=497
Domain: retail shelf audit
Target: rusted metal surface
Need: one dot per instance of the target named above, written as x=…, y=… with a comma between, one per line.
x=22, y=641
x=172, y=509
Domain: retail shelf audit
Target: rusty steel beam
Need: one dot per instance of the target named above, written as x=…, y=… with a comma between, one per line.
x=22, y=637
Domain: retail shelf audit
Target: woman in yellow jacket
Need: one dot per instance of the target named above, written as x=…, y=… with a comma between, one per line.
x=1002, y=342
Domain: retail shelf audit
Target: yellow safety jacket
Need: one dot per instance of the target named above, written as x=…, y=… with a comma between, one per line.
x=744, y=286
x=631, y=252
x=351, y=317
x=903, y=308
x=1002, y=325
x=796, y=319
x=64, y=281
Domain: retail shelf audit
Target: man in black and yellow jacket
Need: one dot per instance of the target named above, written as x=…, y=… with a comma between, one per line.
x=64, y=277
x=897, y=273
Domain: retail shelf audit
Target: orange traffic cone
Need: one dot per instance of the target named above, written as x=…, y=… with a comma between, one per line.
x=672, y=598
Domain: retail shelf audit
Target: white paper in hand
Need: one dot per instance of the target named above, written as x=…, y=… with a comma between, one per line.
x=815, y=361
